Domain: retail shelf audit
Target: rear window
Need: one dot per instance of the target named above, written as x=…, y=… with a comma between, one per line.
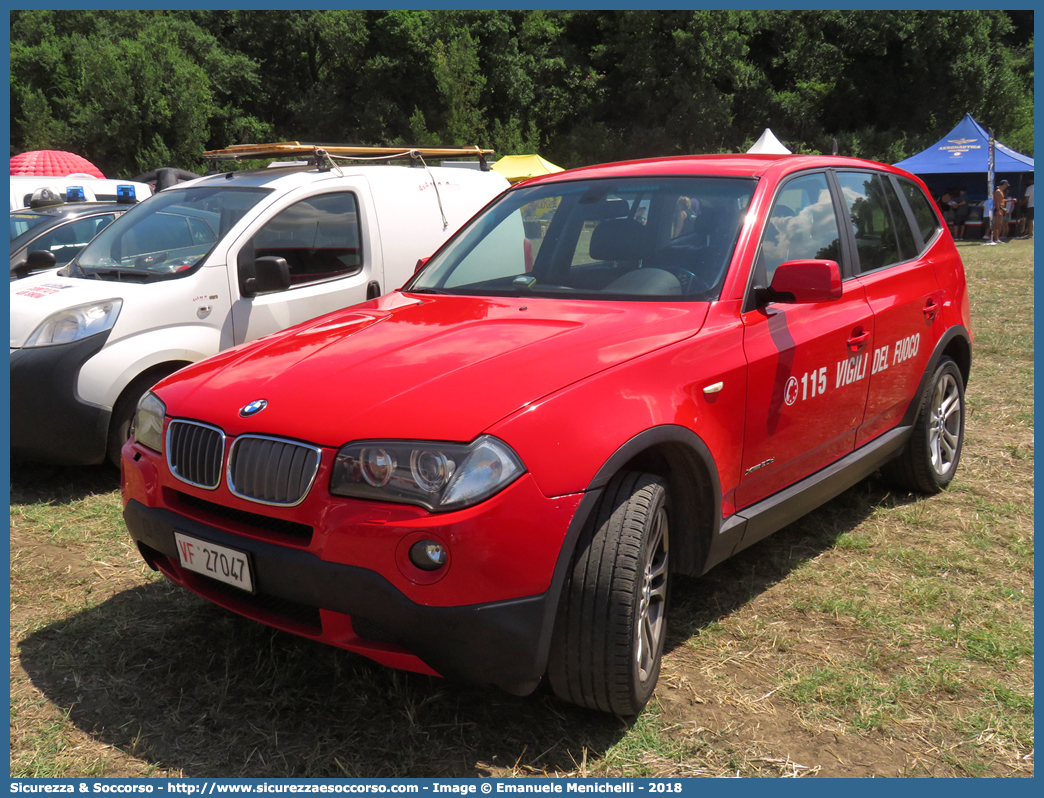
x=638, y=238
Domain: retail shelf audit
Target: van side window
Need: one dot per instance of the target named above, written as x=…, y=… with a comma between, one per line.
x=801, y=225
x=924, y=213
x=319, y=237
x=882, y=234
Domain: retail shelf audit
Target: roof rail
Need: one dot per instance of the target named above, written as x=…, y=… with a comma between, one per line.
x=319, y=152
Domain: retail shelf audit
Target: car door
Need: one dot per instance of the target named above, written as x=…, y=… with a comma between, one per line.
x=901, y=288
x=330, y=243
x=807, y=363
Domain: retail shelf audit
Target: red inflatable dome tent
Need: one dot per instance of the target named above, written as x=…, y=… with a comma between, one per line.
x=53, y=163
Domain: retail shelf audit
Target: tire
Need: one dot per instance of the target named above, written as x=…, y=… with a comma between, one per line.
x=930, y=459
x=121, y=422
x=611, y=622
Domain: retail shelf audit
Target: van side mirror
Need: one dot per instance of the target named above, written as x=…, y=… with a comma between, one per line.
x=806, y=282
x=264, y=276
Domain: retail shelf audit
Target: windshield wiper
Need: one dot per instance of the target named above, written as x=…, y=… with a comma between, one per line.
x=74, y=269
x=120, y=274
x=425, y=291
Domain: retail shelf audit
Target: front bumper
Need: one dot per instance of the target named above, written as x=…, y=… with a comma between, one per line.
x=502, y=643
x=49, y=423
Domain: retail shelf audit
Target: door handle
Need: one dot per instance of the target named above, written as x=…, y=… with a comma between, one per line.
x=930, y=310
x=858, y=339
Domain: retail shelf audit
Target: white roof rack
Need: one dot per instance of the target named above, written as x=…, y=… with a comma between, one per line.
x=284, y=149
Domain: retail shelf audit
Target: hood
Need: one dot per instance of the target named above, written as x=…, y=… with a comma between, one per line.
x=38, y=296
x=434, y=368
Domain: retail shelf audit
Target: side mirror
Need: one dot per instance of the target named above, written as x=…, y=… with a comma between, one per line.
x=420, y=264
x=264, y=276
x=806, y=282
x=39, y=261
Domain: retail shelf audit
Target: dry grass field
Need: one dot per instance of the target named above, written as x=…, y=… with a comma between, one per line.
x=883, y=635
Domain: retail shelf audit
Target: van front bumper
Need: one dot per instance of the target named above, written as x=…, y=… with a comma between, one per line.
x=49, y=422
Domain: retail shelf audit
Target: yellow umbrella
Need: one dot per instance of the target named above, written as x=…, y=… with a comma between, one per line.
x=520, y=167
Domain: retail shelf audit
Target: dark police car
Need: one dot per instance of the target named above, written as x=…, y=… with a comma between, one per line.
x=51, y=235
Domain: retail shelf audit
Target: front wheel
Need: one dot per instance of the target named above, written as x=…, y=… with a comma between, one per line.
x=121, y=422
x=929, y=461
x=611, y=622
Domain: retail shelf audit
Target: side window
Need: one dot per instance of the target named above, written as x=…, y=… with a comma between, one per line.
x=200, y=231
x=67, y=240
x=927, y=221
x=801, y=225
x=907, y=247
x=318, y=236
x=882, y=235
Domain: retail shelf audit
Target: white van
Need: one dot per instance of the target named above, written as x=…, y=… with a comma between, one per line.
x=92, y=189
x=204, y=266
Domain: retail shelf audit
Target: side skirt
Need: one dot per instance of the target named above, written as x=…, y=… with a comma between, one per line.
x=760, y=520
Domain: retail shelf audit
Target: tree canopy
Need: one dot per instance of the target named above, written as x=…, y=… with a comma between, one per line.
x=135, y=90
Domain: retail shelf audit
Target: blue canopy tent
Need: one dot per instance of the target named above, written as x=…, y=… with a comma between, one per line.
x=961, y=158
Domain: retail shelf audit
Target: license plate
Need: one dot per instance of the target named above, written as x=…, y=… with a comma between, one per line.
x=218, y=562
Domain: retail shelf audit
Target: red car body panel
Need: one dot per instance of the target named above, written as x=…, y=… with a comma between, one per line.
x=457, y=359
x=664, y=387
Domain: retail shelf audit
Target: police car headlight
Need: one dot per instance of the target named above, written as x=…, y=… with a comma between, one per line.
x=148, y=422
x=438, y=476
x=72, y=324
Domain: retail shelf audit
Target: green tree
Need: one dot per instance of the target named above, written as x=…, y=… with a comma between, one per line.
x=133, y=90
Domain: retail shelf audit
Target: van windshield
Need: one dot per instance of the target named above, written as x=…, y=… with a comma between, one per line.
x=168, y=236
x=643, y=238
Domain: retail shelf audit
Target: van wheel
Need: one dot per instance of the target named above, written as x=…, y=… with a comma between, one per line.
x=611, y=622
x=929, y=461
x=121, y=422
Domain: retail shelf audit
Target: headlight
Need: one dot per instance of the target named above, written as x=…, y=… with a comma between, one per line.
x=148, y=422
x=439, y=476
x=75, y=323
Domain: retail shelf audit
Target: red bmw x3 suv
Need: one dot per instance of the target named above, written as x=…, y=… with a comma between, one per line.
x=608, y=376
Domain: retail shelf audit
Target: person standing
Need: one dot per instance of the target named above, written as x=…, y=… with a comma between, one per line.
x=960, y=213
x=1028, y=211
x=999, y=208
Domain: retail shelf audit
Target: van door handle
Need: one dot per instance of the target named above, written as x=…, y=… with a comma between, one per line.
x=373, y=290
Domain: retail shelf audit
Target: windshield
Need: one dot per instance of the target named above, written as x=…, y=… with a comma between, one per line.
x=651, y=238
x=22, y=222
x=167, y=236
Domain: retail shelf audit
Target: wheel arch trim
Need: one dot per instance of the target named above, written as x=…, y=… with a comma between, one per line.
x=956, y=340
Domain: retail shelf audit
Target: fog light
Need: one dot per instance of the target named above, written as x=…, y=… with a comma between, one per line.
x=428, y=555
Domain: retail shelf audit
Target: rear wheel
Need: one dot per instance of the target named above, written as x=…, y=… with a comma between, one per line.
x=611, y=621
x=929, y=462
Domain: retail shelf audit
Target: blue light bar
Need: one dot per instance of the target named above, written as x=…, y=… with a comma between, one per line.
x=125, y=194
x=74, y=194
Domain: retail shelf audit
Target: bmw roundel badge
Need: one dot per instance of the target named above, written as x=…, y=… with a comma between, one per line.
x=253, y=408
